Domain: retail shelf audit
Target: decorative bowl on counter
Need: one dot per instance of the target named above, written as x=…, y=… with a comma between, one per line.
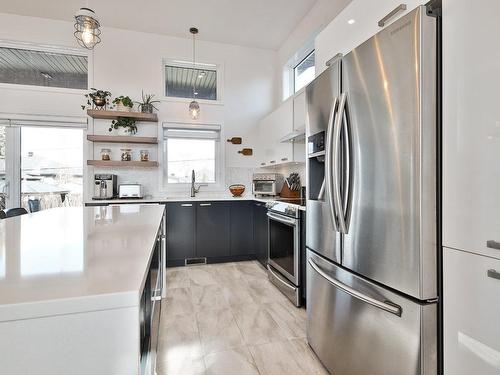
x=237, y=190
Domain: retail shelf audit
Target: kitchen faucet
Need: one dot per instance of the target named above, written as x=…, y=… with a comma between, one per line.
x=194, y=189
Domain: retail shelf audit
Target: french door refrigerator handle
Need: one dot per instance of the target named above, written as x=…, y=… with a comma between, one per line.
x=386, y=306
x=349, y=167
x=335, y=155
x=328, y=164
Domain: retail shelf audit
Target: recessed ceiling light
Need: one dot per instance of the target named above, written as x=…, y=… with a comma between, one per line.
x=351, y=21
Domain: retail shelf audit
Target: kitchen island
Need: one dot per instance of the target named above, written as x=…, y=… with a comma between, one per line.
x=80, y=290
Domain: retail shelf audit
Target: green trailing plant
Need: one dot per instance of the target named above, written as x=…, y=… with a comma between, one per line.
x=125, y=100
x=124, y=122
x=97, y=99
x=147, y=103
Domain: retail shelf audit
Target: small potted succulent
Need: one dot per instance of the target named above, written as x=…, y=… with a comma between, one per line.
x=123, y=103
x=148, y=104
x=124, y=126
x=97, y=99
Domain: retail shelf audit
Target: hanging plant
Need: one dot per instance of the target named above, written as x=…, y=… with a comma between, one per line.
x=127, y=123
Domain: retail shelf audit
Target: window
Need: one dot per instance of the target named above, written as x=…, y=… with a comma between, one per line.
x=181, y=80
x=43, y=169
x=41, y=68
x=192, y=147
x=304, y=72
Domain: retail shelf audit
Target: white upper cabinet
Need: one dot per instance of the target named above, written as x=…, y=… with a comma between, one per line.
x=299, y=110
x=471, y=311
x=289, y=116
x=355, y=24
x=471, y=122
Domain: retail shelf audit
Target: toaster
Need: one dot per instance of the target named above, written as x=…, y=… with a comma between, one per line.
x=128, y=191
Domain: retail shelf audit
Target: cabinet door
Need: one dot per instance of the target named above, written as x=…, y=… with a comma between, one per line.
x=212, y=229
x=299, y=110
x=471, y=312
x=341, y=36
x=241, y=228
x=471, y=122
x=180, y=230
x=260, y=232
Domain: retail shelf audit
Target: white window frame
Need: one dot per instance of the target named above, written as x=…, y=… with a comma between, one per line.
x=13, y=123
x=220, y=159
x=219, y=67
x=288, y=83
x=55, y=49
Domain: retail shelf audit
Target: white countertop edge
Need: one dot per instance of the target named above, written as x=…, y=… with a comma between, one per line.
x=64, y=306
x=188, y=199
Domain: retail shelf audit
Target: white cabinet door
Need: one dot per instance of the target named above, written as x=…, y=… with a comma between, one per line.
x=471, y=126
x=299, y=110
x=471, y=314
x=341, y=35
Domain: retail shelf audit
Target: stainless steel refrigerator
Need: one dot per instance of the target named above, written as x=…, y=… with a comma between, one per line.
x=372, y=222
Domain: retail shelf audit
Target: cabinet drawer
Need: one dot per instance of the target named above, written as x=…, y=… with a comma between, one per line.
x=471, y=313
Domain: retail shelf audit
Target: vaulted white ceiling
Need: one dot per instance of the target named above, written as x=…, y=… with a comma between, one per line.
x=255, y=23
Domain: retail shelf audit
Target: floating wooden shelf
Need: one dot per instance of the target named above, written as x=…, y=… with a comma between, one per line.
x=122, y=139
x=119, y=163
x=113, y=115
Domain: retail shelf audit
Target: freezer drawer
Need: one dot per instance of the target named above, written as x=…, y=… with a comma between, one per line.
x=358, y=328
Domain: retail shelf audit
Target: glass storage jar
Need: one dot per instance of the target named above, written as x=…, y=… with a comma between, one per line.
x=105, y=154
x=144, y=155
x=126, y=154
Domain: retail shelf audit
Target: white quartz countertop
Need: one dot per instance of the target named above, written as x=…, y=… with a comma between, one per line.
x=70, y=260
x=199, y=198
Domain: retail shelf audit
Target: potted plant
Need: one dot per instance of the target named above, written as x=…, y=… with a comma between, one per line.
x=97, y=99
x=123, y=103
x=124, y=126
x=148, y=104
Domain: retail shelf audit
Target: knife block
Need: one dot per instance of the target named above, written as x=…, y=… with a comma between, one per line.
x=287, y=193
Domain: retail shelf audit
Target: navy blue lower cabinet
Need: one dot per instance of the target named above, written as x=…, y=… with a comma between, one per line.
x=260, y=232
x=241, y=228
x=212, y=229
x=181, y=221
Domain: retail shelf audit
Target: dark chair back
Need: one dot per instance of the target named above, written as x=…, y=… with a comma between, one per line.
x=34, y=204
x=11, y=212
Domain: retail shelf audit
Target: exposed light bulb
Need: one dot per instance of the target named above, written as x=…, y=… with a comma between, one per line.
x=87, y=36
x=351, y=21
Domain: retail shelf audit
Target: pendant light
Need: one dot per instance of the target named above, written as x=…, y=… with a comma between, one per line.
x=194, y=107
x=87, y=28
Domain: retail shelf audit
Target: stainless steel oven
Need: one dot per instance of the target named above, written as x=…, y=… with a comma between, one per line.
x=284, y=249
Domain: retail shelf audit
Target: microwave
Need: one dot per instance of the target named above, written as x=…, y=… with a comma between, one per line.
x=267, y=184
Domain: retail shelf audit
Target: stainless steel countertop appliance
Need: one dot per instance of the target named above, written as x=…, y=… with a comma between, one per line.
x=130, y=191
x=267, y=184
x=105, y=186
x=284, y=245
x=372, y=223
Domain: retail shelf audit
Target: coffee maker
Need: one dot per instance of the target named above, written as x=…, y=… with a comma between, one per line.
x=105, y=186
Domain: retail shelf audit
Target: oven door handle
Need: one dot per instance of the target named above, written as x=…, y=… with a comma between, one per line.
x=282, y=219
x=279, y=278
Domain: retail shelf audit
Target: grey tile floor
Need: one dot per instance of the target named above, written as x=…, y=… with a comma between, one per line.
x=229, y=319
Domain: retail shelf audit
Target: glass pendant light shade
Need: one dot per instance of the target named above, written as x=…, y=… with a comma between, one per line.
x=87, y=28
x=194, y=109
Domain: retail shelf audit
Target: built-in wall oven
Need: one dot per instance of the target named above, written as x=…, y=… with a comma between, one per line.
x=284, y=269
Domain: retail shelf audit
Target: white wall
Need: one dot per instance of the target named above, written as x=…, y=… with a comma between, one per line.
x=127, y=62
x=313, y=22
